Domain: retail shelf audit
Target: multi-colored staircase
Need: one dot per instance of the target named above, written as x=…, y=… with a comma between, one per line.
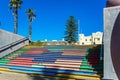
x=64, y=65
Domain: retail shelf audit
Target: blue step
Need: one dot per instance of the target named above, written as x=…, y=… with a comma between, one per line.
x=32, y=69
x=35, y=72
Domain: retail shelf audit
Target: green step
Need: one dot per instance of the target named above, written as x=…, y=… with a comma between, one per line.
x=86, y=67
x=54, y=51
x=84, y=61
x=87, y=70
x=84, y=64
x=3, y=63
x=4, y=60
x=12, y=55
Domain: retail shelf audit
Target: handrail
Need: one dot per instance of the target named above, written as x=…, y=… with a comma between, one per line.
x=12, y=44
x=101, y=49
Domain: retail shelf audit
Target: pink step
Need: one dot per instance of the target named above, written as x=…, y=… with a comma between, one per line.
x=71, y=61
x=21, y=60
x=61, y=65
x=24, y=59
x=19, y=64
x=74, y=52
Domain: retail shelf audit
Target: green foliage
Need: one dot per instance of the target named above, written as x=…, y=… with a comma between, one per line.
x=37, y=43
x=95, y=49
x=71, y=30
x=84, y=46
x=31, y=14
x=15, y=3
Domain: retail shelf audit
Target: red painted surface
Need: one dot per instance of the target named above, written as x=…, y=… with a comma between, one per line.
x=23, y=62
x=94, y=59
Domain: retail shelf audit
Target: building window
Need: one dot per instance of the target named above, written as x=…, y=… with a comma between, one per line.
x=82, y=43
x=98, y=39
x=90, y=39
x=85, y=39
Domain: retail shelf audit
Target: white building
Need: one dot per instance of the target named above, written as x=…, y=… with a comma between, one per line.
x=55, y=42
x=95, y=38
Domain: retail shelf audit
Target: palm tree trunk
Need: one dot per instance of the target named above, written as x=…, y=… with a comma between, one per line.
x=30, y=30
x=15, y=20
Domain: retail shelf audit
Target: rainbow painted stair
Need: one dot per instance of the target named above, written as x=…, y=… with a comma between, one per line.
x=63, y=65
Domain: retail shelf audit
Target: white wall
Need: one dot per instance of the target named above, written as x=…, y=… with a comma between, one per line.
x=84, y=40
x=8, y=37
x=95, y=38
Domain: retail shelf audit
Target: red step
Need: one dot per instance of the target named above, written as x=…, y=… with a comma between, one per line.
x=24, y=62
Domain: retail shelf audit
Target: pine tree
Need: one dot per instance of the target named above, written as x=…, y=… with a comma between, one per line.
x=71, y=30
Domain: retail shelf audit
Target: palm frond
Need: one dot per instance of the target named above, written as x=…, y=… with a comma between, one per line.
x=31, y=14
x=15, y=3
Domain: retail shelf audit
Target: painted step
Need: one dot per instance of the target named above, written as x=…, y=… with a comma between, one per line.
x=19, y=64
x=33, y=72
x=63, y=68
x=86, y=66
x=56, y=62
x=61, y=65
x=23, y=62
x=39, y=66
x=24, y=58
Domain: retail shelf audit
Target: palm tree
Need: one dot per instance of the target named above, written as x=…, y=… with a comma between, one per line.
x=14, y=5
x=31, y=16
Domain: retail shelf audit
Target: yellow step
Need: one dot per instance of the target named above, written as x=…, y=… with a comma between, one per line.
x=4, y=69
x=92, y=77
x=70, y=77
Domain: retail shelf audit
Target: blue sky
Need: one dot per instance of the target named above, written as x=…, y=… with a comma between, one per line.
x=51, y=16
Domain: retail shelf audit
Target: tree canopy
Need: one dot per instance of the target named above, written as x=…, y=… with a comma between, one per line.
x=71, y=30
